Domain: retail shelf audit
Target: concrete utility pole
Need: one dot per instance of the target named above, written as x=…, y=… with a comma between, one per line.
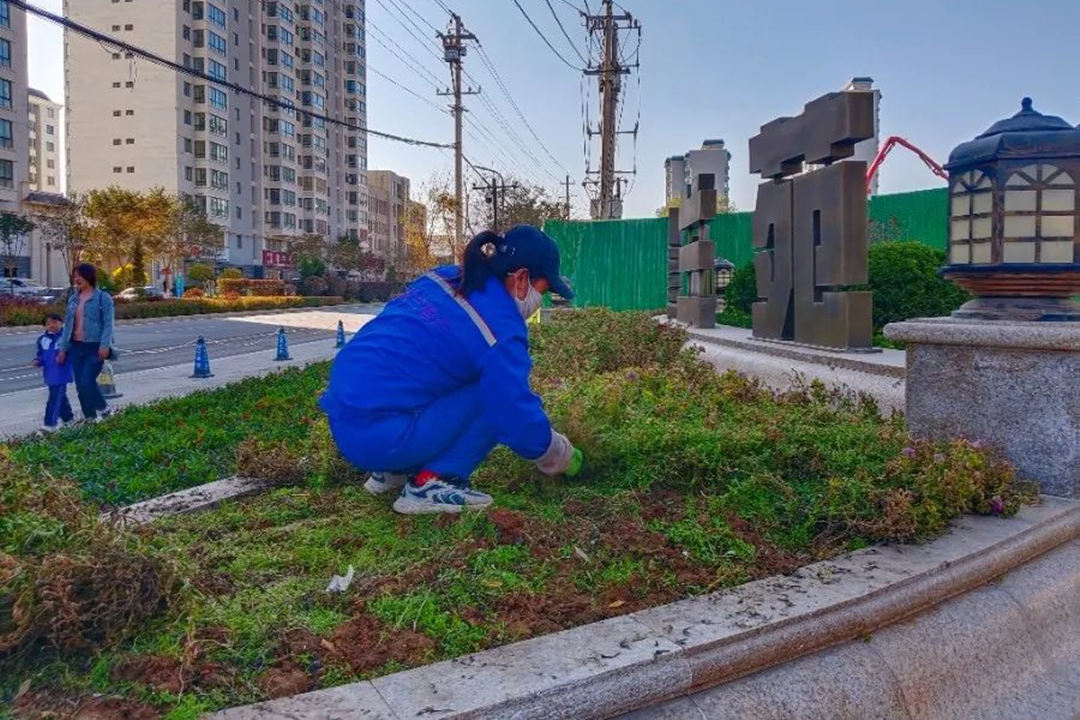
x=494, y=191
x=453, y=53
x=567, y=184
x=609, y=75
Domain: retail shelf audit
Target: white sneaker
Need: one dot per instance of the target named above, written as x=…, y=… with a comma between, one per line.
x=48, y=429
x=440, y=495
x=379, y=483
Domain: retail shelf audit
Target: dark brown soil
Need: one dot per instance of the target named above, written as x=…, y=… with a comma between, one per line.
x=159, y=672
x=47, y=705
x=510, y=526
x=284, y=680
x=365, y=644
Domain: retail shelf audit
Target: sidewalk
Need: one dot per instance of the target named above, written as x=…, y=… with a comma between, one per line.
x=23, y=410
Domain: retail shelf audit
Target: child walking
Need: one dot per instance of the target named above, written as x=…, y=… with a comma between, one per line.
x=57, y=375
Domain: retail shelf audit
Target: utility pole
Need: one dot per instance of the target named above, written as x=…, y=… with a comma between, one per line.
x=494, y=191
x=567, y=184
x=453, y=53
x=609, y=75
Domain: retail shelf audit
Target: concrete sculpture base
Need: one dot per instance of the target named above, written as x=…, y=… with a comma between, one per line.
x=1014, y=386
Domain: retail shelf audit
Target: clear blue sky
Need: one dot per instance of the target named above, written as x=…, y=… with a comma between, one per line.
x=715, y=68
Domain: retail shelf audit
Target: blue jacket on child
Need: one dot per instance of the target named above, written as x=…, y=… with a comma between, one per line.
x=428, y=344
x=48, y=347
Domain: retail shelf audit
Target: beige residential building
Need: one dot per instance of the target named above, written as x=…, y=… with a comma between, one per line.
x=14, y=133
x=265, y=174
x=388, y=200
x=45, y=171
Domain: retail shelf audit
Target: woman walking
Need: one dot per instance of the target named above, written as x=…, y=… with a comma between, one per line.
x=88, y=338
x=427, y=389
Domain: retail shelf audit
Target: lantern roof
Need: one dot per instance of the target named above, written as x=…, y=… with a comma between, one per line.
x=1026, y=135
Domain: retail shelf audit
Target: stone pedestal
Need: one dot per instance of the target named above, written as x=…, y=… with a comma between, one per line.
x=1013, y=386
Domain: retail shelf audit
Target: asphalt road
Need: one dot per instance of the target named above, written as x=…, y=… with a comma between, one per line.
x=169, y=341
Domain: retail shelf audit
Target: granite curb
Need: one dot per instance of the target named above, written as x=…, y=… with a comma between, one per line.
x=620, y=665
x=803, y=354
x=1060, y=336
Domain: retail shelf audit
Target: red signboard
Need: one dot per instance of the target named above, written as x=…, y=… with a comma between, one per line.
x=276, y=259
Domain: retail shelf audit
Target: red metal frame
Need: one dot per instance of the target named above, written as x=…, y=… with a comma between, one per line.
x=887, y=147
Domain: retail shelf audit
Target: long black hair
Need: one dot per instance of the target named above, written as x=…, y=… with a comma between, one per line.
x=483, y=258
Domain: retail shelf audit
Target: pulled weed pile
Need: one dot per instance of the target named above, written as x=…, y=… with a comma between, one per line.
x=694, y=481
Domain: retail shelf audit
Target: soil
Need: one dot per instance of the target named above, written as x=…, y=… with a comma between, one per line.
x=47, y=705
x=365, y=644
x=159, y=672
x=284, y=680
x=510, y=526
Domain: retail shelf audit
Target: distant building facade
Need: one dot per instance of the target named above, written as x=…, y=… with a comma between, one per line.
x=867, y=149
x=712, y=158
x=388, y=204
x=45, y=171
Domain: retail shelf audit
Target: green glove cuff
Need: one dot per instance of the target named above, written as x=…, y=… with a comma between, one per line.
x=577, y=459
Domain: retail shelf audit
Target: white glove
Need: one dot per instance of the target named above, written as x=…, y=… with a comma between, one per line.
x=559, y=454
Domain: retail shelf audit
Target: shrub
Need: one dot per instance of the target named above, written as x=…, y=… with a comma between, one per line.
x=741, y=292
x=200, y=273
x=231, y=296
x=313, y=285
x=311, y=267
x=231, y=274
x=194, y=293
x=19, y=310
x=260, y=288
x=903, y=276
x=335, y=285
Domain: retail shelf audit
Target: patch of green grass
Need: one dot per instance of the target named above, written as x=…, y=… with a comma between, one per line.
x=174, y=444
x=426, y=612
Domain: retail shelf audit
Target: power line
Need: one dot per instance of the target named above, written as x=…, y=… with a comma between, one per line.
x=572, y=6
x=417, y=14
x=414, y=36
x=158, y=60
x=412, y=92
x=412, y=64
x=546, y=41
x=486, y=61
x=565, y=34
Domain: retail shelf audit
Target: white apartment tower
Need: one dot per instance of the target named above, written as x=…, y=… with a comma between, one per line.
x=867, y=149
x=44, y=140
x=14, y=131
x=265, y=173
x=712, y=157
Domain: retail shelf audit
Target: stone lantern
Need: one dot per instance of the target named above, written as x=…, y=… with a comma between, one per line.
x=1001, y=370
x=1014, y=231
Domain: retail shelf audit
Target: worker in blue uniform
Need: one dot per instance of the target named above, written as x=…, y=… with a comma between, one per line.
x=425, y=391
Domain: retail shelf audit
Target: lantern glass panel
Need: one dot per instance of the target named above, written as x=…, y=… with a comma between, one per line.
x=981, y=228
x=960, y=254
x=980, y=253
x=1057, y=251
x=1020, y=226
x=1020, y=200
x=982, y=203
x=1059, y=200
x=1058, y=226
x=961, y=230
x=1019, y=252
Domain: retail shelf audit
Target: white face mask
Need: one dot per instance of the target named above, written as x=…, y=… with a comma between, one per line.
x=532, y=302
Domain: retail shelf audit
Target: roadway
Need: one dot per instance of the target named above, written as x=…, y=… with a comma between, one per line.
x=143, y=345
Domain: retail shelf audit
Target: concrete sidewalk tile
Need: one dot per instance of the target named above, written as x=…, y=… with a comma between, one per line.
x=573, y=673
x=972, y=658
x=358, y=701
x=679, y=709
x=1049, y=507
x=847, y=683
x=1048, y=592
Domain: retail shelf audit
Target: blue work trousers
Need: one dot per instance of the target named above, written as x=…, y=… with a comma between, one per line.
x=86, y=365
x=57, y=407
x=448, y=437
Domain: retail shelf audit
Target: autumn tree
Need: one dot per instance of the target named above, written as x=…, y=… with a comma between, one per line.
x=127, y=225
x=188, y=233
x=64, y=226
x=13, y=232
x=419, y=238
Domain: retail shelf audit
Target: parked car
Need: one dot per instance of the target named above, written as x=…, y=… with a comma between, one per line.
x=21, y=286
x=146, y=292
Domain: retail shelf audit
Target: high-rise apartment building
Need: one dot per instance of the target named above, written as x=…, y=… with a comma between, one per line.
x=14, y=133
x=388, y=205
x=44, y=141
x=867, y=149
x=712, y=157
x=266, y=174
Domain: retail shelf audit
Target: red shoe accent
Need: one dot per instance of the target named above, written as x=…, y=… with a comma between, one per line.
x=423, y=476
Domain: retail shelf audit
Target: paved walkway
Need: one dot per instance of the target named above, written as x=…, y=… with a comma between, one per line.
x=23, y=410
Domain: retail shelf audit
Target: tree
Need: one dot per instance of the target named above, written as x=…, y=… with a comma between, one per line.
x=64, y=227
x=723, y=206
x=127, y=225
x=13, y=231
x=188, y=234
x=419, y=238
x=521, y=204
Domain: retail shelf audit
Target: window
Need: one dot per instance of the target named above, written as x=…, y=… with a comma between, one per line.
x=129, y=28
x=5, y=53
x=117, y=169
x=187, y=33
x=5, y=14
x=188, y=172
x=116, y=113
x=198, y=10
x=187, y=89
x=51, y=164
x=217, y=43
x=187, y=145
x=116, y=28
x=131, y=168
x=200, y=93
x=50, y=130
x=218, y=99
x=200, y=177
x=187, y=6
x=51, y=180
x=129, y=84
x=218, y=207
x=220, y=153
x=6, y=138
x=129, y=141
x=217, y=71
x=129, y=112
x=198, y=38
x=50, y=147
x=116, y=84
x=216, y=15
x=116, y=141
x=5, y=91
x=187, y=117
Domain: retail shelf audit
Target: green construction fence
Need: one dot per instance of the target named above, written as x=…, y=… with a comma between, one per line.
x=622, y=264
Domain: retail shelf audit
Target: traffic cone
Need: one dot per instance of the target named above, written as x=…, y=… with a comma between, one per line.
x=202, y=360
x=340, y=335
x=282, y=346
x=107, y=382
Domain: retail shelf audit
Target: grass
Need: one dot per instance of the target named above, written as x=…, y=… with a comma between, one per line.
x=694, y=482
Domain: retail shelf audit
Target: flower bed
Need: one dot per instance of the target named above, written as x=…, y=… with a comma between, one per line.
x=32, y=313
x=694, y=482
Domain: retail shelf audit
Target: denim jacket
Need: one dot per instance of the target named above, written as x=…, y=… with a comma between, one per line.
x=98, y=316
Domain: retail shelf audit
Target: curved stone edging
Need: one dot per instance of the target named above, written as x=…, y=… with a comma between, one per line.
x=804, y=354
x=616, y=666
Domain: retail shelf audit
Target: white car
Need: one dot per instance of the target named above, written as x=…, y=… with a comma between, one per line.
x=21, y=286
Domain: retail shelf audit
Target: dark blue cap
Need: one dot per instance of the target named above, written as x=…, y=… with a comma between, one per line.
x=528, y=247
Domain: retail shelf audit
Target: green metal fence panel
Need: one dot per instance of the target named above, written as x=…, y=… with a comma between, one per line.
x=622, y=264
